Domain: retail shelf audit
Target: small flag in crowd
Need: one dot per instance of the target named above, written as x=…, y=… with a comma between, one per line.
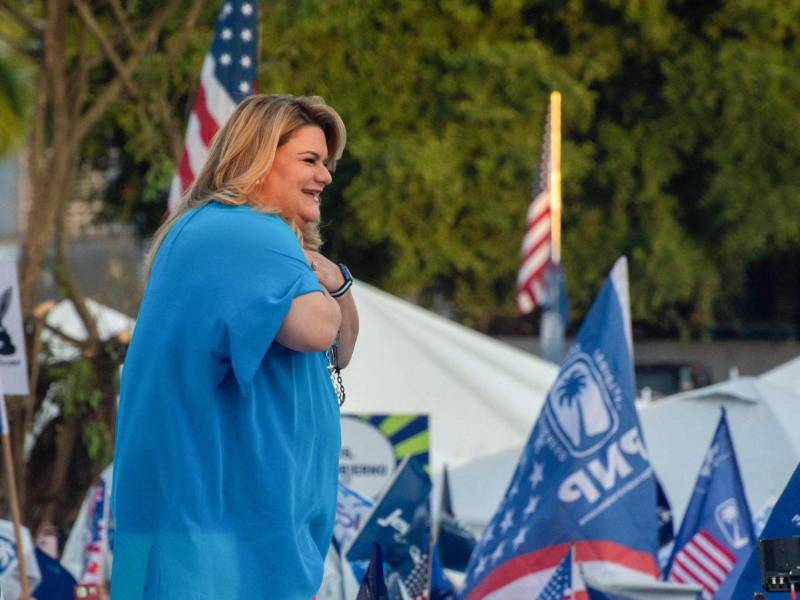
x=228, y=75
x=560, y=586
x=584, y=478
x=716, y=535
x=94, y=556
x=666, y=529
x=400, y=523
x=88, y=553
x=455, y=542
x=441, y=587
x=783, y=522
x=373, y=587
x=57, y=583
x=534, y=275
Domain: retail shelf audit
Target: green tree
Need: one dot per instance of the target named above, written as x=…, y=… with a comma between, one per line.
x=13, y=96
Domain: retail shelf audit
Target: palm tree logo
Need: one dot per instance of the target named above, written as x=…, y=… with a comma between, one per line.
x=568, y=394
x=730, y=522
x=580, y=407
x=8, y=553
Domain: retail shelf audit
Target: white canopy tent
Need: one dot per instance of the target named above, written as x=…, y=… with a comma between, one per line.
x=482, y=395
x=786, y=376
x=65, y=319
x=763, y=422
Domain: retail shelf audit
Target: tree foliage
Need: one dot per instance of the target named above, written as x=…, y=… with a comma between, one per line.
x=678, y=150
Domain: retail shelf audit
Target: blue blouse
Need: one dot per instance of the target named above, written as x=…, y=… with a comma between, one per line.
x=227, y=446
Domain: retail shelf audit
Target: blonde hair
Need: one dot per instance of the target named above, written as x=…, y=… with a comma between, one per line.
x=243, y=151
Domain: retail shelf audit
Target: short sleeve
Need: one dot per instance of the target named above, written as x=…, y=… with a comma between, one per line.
x=256, y=267
x=251, y=330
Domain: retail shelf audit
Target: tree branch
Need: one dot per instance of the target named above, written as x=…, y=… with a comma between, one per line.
x=110, y=93
x=64, y=336
x=23, y=20
x=108, y=48
x=64, y=274
x=122, y=17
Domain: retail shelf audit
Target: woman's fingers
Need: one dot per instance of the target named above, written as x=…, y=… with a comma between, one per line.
x=326, y=271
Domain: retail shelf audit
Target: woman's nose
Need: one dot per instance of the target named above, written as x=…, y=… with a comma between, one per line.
x=324, y=176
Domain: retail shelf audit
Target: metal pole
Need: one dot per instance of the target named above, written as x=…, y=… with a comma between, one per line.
x=555, y=175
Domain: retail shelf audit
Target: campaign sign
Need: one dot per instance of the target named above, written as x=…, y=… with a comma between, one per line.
x=13, y=363
x=373, y=445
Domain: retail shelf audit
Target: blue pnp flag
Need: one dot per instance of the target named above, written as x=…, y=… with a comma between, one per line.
x=584, y=478
x=784, y=521
x=400, y=524
x=716, y=535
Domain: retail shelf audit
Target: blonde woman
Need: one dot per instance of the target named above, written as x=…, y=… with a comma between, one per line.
x=228, y=430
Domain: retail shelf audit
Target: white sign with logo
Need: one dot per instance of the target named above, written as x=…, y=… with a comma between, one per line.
x=9, y=567
x=13, y=364
x=367, y=459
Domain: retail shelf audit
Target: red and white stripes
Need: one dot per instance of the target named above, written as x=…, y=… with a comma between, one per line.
x=212, y=107
x=704, y=561
x=532, y=277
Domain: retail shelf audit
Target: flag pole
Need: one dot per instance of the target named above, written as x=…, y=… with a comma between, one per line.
x=552, y=325
x=11, y=488
x=555, y=176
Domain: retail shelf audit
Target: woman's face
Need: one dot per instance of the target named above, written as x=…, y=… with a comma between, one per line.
x=298, y=176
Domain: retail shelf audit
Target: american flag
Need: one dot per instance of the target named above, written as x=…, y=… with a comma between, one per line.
x=532, y=279
x=704, y=560
x=559, y=587
x=228, y=76
x=416, y=582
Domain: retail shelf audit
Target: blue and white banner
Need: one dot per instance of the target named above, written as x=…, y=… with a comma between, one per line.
x=9, y=565
x=716, y=535
x=584, y=478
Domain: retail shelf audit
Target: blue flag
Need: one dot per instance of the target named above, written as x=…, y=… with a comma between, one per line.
x=373, y=587
x=784, y=521
x=454, y=541
x=716, y=535
x=441, y=587
x=594, y=594
x=400, y=524
x=57, y=583
x=666, y=529
x=584, y=478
